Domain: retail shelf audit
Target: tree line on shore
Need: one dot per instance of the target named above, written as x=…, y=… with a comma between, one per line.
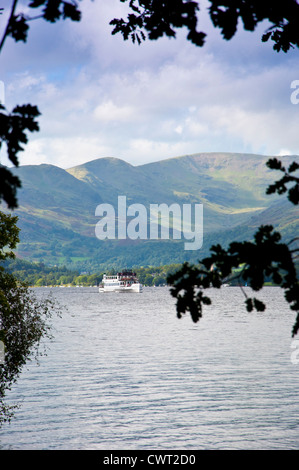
x=39, y=275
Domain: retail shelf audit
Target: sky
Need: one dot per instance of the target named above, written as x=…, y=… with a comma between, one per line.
x=101, y=96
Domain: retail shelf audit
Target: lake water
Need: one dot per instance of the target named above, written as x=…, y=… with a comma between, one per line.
x=122, y=372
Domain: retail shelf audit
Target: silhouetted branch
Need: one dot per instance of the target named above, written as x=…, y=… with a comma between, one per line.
x=6, y=32
x=17, y=24
x=12, y=131
x=158, y=19
x=265, y=257
x=281, y=186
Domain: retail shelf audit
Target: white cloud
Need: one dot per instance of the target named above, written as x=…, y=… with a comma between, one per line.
x=69, y=151
x=179, y=129
x=108, y=111
x=283, y=152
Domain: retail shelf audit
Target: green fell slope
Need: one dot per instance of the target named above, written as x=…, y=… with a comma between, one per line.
x=57, y=206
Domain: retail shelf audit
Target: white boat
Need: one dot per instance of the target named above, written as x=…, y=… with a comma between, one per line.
x=125, y=281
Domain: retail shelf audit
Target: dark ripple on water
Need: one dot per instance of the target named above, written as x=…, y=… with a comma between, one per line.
x=124, y=373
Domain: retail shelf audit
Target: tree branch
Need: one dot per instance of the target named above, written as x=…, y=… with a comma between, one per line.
x=13, y=8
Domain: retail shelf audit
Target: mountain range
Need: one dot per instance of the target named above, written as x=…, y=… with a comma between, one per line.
x=57, y=207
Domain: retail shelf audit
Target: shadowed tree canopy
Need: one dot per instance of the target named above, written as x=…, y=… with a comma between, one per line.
x=12, y=132
x=24, y=320
x=157, y=18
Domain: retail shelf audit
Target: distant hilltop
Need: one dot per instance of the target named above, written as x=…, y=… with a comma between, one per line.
x=57, y=206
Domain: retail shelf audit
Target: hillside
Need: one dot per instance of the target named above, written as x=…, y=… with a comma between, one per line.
x=57, y=207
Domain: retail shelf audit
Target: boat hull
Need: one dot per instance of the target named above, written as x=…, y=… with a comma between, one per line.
x=133, y=288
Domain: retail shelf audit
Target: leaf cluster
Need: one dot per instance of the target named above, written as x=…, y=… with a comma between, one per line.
x=280, y=187
x=54, y=10
x=283, y=17
x=158, y=18
x=24, y=320
x=260, y=259
x=12, y=132
x=49, y=10
x=9, y=235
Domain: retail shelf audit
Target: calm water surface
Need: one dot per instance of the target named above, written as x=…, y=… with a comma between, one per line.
x=122, y=372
